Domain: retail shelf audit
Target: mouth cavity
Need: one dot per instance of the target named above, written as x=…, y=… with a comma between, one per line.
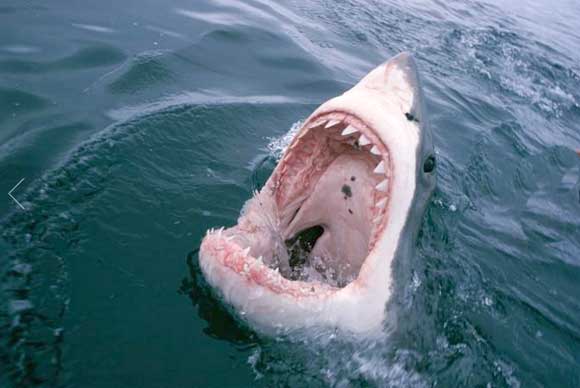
x=323, y=209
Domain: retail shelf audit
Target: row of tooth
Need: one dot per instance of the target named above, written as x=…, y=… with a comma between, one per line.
x=362, y=141
x=246, y=253
x=219, y=232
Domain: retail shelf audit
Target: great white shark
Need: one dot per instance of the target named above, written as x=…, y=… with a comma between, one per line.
x=315, y=246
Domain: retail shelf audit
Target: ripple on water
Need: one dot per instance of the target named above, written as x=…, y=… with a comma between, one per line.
x=84, y=58
x=142, y=71
x=16, y=101
x=116, y=177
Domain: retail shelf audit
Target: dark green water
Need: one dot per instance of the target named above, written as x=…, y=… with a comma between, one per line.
x=137, y=125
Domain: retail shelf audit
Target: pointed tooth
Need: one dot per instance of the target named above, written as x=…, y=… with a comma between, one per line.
x=349, y=130
x=246, y=251
x=377, y=220
x=363, y=141
x=381, y=204
x=380, y=169
x=383, y=185
x=331, y=123
x=375, y=150
x=229, y=238
x=219, y=232
x=260, y=259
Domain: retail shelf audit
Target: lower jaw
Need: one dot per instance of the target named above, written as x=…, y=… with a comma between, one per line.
x=274, y=305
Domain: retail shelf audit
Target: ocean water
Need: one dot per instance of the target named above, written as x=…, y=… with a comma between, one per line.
x=137, y=125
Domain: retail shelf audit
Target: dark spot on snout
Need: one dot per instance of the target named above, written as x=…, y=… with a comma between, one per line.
x=346, y=190
x=350, y=211
x=410, y=117
x=352, y=178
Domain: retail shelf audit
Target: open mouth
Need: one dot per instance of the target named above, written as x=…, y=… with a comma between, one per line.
x=320, y=214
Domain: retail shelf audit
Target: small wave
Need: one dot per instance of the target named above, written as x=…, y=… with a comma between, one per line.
x=277, y=145
x=94, y=28
x=504, y=59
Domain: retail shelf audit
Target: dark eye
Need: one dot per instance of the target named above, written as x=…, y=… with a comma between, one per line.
x=429, y=164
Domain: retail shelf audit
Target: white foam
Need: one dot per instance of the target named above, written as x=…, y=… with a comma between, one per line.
x=278, y=145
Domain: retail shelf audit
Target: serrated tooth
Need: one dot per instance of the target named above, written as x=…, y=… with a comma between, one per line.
x=381, y=204
x=331, y=123
x=246, y=251
x=363, y=141
x=349, y=130
x=375, y=150
x=383, y=185
x=380, y=169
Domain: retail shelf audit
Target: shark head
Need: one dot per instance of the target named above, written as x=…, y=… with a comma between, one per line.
x=316, y=245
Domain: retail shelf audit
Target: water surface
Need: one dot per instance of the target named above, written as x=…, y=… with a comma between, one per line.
x=137, y=126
